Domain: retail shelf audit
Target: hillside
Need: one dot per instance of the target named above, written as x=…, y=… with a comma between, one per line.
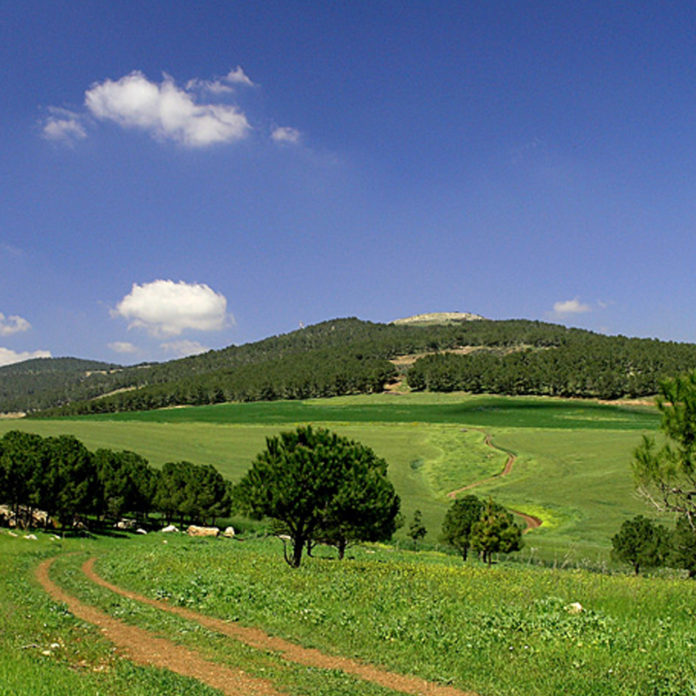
x=351, y=356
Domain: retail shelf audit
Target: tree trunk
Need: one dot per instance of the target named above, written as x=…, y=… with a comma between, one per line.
x=341, y=546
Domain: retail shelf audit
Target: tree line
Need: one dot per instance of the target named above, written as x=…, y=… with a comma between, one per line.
x=347, y=356
x=60, y=476
x=589, y=365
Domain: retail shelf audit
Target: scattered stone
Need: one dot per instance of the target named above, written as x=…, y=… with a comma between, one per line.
x=169, y=528
x=194, y=530
x=140, y=530
x=33, y=537
x=125, y=524
x=12, y=534
x=229, y=532
x=574, y=608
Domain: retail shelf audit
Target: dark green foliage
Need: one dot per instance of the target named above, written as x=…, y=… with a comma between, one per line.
x=349, y=356
x=495, y=532
x=127, y=483
x=22, y=466
x=59, y=475
x=666, y=476
x=459, y=519
x=580, y=364
x=318, y=486
x=192, y=492
x=69, y=484
x=684, y=547
x=417, y=530
x=641, y=543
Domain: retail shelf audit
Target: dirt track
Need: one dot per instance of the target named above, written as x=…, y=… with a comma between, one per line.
x=145, y=648
x=531, y=521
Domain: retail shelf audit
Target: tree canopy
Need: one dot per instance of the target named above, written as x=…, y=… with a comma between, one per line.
x=641, y=543
x=459, y=520
x=666, y=475
x=495, y=532
x=319, y=486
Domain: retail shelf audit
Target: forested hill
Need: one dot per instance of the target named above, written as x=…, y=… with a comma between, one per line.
x=347, y=356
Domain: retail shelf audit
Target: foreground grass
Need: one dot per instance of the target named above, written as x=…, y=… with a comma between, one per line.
x=505, y=630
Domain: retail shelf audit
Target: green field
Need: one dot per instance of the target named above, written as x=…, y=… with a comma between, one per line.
x=572, y=468
x=501, y=631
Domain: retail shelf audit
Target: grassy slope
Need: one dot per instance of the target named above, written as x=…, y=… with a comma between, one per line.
x=499, y=631
x=572, y=468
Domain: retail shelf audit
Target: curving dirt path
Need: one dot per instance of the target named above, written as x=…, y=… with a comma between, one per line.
x=310, y=657
x=531, y=521
x=507, y=470
x=145, y=648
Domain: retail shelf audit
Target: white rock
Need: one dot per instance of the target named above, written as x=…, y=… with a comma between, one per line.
x=574, y=608
x=169, y=528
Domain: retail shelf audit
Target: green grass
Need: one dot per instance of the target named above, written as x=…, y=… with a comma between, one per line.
x=572, y=468
x=499, y=631
x=504, y=630
x=492, y=411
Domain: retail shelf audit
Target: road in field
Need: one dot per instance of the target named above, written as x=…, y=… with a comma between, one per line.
x=145, y=648
x=531, y=521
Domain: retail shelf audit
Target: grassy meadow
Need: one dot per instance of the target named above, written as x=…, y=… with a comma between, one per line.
x=500, y=631
x=572, y=465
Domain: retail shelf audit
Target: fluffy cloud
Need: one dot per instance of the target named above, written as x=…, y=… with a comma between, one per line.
x=8, y=357
x=63, y=126
x=165, y=308
x=285, y=134
x=222, y=85
x=570, y=307
x=123, y=347
x=165, y=111
x=12, y=325
x=183, y=348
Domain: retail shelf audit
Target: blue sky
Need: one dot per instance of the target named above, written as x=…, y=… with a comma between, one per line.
x=179, y=176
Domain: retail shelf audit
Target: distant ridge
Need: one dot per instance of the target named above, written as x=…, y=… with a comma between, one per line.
x=439, y=318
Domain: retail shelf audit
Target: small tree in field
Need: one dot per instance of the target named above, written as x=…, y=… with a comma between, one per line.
x=495, y=532
x=417, y=530
x=317, y=485
x=459, y=519
x=641, y=543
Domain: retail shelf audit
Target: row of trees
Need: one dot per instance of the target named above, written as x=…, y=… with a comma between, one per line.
x=60, y=476
x=588, y=366
x=318, y=374
x=345, y=356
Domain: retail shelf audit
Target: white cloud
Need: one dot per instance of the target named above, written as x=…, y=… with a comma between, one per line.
x=165, y=308
x=12, y=325
x=9, y=357
x=285, y=134
x=183, y=348
x=123, y=347
x=238, y=77
x=63, y=126
x=573, y=306
x=165, y=111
